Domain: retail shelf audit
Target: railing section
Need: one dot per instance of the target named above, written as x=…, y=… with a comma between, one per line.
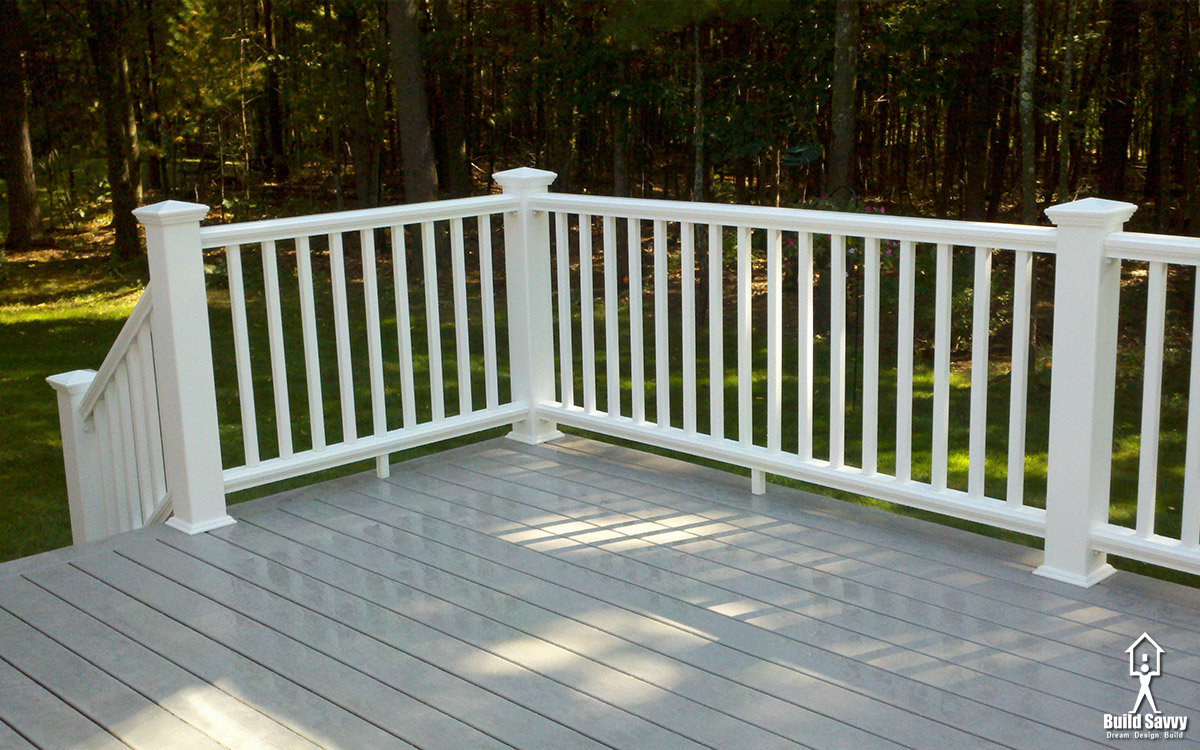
x=1160, y=274
x=322, y=335
x=110, y=427
x=668, y=376
x=863, y=353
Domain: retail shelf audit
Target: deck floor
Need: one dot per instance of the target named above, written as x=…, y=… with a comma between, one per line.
x=574, y=594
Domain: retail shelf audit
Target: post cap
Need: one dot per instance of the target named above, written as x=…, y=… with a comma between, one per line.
x=524, y=179
x=167, y=213
x=1091, y=212
x=75, y=381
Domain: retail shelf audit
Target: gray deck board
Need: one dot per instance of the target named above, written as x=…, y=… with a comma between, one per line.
x=43, y=718
x=120, y=710
x=1000, y=715
x=398, y=577
x=715, y=647
x=401, y=625
x=890, y=612
x=574, y=594
x=302, y=662
x=835, y=541
x=303, y=711
x=11, y=740
x=655, y=601
x=990, y=560
x=223, y=718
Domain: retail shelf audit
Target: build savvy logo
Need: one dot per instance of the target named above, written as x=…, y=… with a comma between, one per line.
x=1144, y=721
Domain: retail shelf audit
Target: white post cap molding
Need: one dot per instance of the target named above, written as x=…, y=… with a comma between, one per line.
x=524, y=179
x=1092, y=212
x=75, y=381
x=167, y=213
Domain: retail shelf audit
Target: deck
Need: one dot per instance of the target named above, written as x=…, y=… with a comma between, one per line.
x=574, y=594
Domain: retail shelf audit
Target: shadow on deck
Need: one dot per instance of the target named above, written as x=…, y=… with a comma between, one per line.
x=568, y=595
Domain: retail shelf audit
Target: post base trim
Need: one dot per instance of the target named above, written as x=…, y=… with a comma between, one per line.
x=199, y=528
x=1075, y=579
x=536, y=438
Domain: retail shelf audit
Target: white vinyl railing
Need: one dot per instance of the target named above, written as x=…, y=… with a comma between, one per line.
x=703, y=233
x=116, y=477
x=641, y=319
x=1142, y=540
x=368, y=238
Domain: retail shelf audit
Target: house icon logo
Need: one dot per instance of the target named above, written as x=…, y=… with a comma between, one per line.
x=1145, y=663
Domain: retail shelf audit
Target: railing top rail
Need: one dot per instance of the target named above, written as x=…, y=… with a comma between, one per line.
x=129, y=332
x=969, y=233
x=222, y=235
x=1160, y=248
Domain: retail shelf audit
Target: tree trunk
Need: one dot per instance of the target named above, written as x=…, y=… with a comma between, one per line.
x=24, y=215
x=998, y=157
x=1189, y=118
x=1116, y=115
x=450, y=96
x=364, y=130
x=975, y=155
x=152, y=121
x=1065, y=111
x=416, y=145
x=1160, y=79
x=1028, y=175
x=842, y=109
x=620, y=120
x=274, y=156
x=107, y=45
x=697, y=117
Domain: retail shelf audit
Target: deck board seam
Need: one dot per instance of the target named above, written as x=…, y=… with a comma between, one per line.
x=415, y=656
x=244, y=655
x=17, y=732
x=675, y=504
x=749, y=653
x=513, y=627
x=799, y=517
x=964, y=667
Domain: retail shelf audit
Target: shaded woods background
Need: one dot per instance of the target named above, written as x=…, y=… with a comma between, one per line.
x=985, y=109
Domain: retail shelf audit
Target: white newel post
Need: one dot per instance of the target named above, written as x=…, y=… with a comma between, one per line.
x=187, y=397
x=530, y=315
x=81, y=460
x=1083, y=375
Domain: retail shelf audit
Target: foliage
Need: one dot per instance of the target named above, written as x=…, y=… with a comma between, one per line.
x=551, y=82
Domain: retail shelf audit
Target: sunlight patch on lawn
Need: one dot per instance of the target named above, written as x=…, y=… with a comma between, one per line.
x=110, y=305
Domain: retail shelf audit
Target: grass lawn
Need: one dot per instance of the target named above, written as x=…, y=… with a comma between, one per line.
x=61, y=309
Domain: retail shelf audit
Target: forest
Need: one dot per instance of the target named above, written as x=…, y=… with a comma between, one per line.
x=988, y=109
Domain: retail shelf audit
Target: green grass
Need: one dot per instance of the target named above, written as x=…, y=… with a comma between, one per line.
x=58, y=312
x=62, y=312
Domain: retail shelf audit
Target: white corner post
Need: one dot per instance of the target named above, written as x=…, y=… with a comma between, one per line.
x=1082, y=384
x=530, y=314
x=187, y=395
x=80, y=457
